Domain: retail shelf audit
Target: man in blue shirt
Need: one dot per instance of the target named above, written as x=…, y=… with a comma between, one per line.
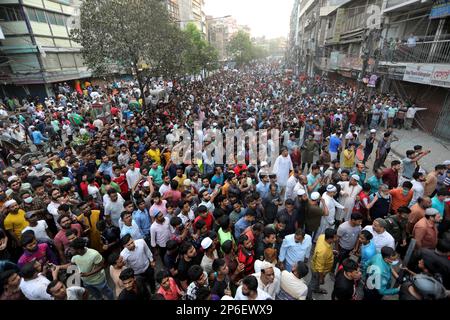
x=38, y=138
x=375, y=181
x=244, y=222
x=263, y=186
x=296, y=247
x=106, y=167
x=142, y=218
x=335, y=144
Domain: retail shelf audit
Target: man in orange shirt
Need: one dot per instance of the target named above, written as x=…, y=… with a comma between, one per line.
x=401, y=196
x=417, y=212
x=425, y=231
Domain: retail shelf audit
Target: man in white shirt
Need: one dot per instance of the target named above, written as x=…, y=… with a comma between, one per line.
x=293, y=287
x=283, y=165
x=290, y=185
x=249, y=290
x=329, y=206
x=137, y=255
x=418, y=188
x=113, y=203
x=39, y=227
x=33, y=284
x=160, y=232
x=267, y=280
x=381, y=237
x=410, y=114
x=133, y=175
x=349, y=191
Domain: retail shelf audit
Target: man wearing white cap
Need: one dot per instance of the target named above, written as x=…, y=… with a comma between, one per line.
x=283, y=165
x=267, y=280
x=15, y=220
x=349, y=191
x=209, y=256
x=425, y=230
x=314, y=214
x=329, y=206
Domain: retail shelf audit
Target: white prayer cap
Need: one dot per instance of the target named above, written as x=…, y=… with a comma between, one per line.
x=9, y=203
x=315, y=196
x=331, y=188
x=206, y=243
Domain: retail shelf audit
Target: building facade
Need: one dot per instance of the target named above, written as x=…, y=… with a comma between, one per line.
x=220, y=32
x=192, y=11
x=405, y=44
x=36, y=49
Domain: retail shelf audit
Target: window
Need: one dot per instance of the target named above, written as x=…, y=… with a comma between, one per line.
x=10, y=14
x=46, y=17
x=60, y=20
x=32, y=14
x=41, y=16
x=51, y=17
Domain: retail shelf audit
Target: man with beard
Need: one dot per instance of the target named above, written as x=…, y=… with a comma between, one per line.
x=34, y=251
x=296, y=247
x=188, y=258
x=267, y=240
x=249, y=290
x=15, y=220
x=60, y=241
x=271, y=203
x=134, y=287
x=313, y=214
x=300, y=206
x=137, y=255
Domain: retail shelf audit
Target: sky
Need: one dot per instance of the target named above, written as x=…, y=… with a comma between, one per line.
x=269, y=18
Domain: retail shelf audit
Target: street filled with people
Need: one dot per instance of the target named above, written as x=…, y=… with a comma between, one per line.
x=101, y=208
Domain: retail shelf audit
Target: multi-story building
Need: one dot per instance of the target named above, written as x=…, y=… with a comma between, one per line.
x=293, y=51
x=37, y=51
x=406, y=44
x=173, y=9
x=220, y=31
x=192, y=11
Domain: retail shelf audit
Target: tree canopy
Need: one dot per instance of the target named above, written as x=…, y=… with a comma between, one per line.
x=132, y=34
x=243, y=50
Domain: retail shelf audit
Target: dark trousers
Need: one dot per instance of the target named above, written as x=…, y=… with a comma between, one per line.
x=149, y=278
x=313, y=285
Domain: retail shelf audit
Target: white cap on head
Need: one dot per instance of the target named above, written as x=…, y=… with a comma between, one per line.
x=9, y=203
x=431, y=212
x=447, y=162
x=206, y=243
x=331, y=188
x=315, y=196
x=187, y=183
x=356, y=177
x=12, y=178
x=301, y=192
x=264, y=163
x=373, y=131
x=265, y=265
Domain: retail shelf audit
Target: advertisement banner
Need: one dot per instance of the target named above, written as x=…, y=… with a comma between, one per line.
x=441, y=9
x=441, y=76
x=418, y=73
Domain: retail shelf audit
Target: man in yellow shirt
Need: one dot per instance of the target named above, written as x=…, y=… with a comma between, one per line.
x=349, y=157
x=180, y=177
x=15, y=221
x=322, y=261
x=154, y=153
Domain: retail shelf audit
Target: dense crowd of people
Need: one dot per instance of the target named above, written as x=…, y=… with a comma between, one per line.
x=108, y=214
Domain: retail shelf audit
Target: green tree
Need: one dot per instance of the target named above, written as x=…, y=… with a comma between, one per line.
x=200, y=54
x=136, y=35
x=241, y=48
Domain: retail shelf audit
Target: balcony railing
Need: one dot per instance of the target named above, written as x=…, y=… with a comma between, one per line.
x=422, y=52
